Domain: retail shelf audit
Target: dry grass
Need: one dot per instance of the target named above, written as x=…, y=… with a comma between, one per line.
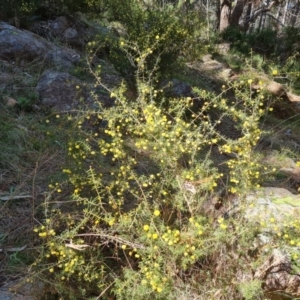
x=27, y=160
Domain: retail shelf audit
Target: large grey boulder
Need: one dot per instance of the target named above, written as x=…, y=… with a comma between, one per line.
x=62, y=91
x=22, y=45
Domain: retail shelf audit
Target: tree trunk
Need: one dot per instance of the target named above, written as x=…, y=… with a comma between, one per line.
x=237, y=12
x=251, y=16
x=294, y=14
x=225, y=14
x=285, y=12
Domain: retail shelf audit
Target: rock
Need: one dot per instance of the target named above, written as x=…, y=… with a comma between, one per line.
x=58, y=26
x=176, y=88
x=207, y=57
x=70, y=34
x=276, y=273
x=293, y=98
x=294, y=173
x=11, y=102
x=271, y=202
x=226, y=74
x=223, y=48
x=14, y=296
x=23, y=45
x=284, y=164
x=63, y=57
x=212, y=65
x=17, y=290
x=74, y=31
x=273, y=159
x=61, y=91
x=276, y=89
x=64, y=92
x=52, y=29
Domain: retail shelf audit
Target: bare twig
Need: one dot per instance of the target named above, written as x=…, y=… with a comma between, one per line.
x=114, y=238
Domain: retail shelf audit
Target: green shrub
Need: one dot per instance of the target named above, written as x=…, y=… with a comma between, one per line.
x=263, y=42
x=289, y=41
x=23, y=9
x=26, y=103
x=251, y=290
x=163, y=34
x=18, y=9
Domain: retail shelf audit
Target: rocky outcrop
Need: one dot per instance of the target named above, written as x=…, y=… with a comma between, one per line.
x=75, y=31
x=278, y=277
x=274, y=207
x=272, y=202
x=60, y=30
x=22, y=45
x=58, y=90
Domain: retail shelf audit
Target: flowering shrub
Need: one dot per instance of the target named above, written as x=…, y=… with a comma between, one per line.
x=136, y=226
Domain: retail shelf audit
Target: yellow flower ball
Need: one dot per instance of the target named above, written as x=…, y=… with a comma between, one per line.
x=155, y=236
x=156, y=213
x=223, y=226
